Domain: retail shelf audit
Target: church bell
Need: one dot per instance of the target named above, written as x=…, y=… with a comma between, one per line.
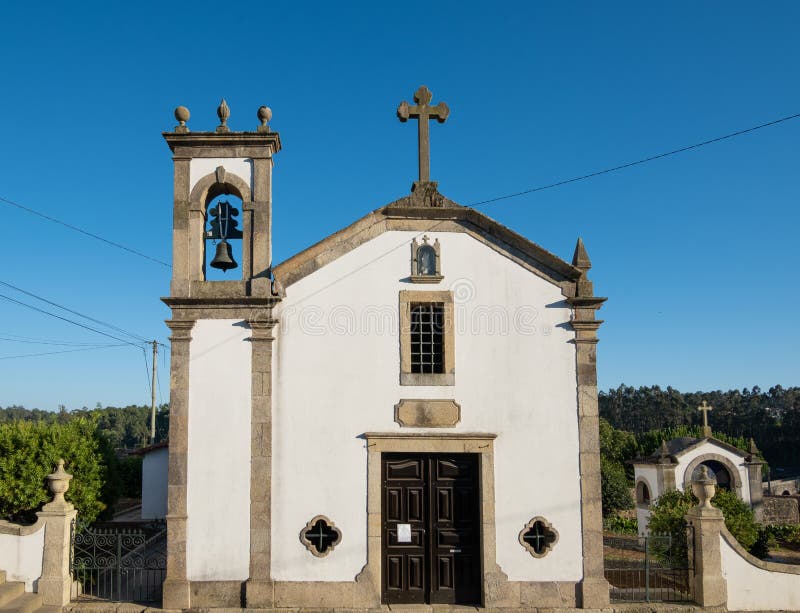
x=223, y=259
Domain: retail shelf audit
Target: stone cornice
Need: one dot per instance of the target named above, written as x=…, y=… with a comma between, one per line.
x=256, y=142
x=586, y=302
x=446, y=219
x=478, y=436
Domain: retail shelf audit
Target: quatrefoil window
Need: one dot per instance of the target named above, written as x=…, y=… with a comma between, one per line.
x=320, y=536
x=538, y=537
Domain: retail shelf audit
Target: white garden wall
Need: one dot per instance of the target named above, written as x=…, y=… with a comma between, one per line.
x=754, y=585
x=21, y=551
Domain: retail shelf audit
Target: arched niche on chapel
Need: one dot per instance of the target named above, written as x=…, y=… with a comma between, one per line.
x=730, y=468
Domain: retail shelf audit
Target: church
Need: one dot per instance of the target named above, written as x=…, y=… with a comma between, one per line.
x=403, y=413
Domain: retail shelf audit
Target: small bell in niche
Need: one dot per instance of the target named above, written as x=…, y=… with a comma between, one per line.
x=223, y=227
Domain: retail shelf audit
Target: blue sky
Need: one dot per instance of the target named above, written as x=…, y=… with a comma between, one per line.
x=697, y=253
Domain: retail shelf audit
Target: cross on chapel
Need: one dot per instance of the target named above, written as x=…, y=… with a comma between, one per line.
x=423, y=112
x=705, y=408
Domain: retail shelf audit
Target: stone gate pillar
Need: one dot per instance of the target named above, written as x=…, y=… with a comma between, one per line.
x=706, y=522
x=58, y=515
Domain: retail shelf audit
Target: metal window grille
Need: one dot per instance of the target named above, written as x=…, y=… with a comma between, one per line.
x=427, y=338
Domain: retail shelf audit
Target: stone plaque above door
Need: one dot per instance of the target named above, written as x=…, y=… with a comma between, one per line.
x=417, y=413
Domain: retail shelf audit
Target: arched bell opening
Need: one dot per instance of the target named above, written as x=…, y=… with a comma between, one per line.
x=223, y=236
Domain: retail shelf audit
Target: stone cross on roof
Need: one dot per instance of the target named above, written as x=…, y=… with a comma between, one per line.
x=424, y=113
x=705, y=408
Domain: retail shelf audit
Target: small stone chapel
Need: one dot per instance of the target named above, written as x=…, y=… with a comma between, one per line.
x=678, y=460
x=403, y=413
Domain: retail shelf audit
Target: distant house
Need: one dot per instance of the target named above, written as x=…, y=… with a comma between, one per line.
x=675, y=462
x=154, y=480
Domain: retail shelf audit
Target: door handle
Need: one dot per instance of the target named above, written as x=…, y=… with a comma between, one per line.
x=455, y=551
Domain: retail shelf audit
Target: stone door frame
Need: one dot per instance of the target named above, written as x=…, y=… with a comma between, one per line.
x=481, y=444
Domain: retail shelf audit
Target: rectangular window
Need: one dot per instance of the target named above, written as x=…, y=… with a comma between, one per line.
x=427, y=338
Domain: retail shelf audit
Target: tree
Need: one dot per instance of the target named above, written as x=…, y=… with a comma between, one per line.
x=614, y=487
x=29, y=451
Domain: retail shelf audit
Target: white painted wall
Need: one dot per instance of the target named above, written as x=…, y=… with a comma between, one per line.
x=200, y=167
x=709, y=447
x=650, y=476
x=218, y=471
x=754, y=589
x=21, y=556
x=336, y=376
x=154, y=483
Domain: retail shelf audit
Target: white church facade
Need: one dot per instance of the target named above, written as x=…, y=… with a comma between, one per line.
x=405, y=412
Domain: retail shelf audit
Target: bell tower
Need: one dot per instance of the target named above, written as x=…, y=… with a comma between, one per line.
x=212, y=164
x=220, y=433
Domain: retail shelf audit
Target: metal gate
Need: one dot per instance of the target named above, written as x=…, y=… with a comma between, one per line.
x=654, y=568
x=119, y=562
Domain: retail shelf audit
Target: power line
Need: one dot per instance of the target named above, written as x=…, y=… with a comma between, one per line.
x=92, y=319
x=637, y=162
x=31, y=355
x=74, y=323
x=57, y=343
x=82, y=231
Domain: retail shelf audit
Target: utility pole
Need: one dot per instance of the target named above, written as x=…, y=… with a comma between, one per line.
x=153, y=398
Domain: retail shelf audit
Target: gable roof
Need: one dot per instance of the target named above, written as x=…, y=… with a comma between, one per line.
x=678, y=447
x=446, y=216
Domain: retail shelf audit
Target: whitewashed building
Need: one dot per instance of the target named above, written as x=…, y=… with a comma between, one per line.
x=405, y=412
x=154, y=481
x=675, y=463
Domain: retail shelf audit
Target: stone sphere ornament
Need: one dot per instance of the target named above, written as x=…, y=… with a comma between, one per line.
x=264, y=115
x=182, y=115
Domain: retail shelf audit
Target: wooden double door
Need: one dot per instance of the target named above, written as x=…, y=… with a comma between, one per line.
x=431, y=537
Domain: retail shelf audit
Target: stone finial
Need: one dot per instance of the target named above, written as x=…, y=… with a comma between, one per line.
x=754, y=452
x=223, y=112
x=580, y=258
x=264, y=116
x=581, y=261
x=182, y=115
x=704, y=486
x=663, y=453
x=59, y=484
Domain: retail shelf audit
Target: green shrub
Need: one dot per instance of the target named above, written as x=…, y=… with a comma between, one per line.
x=614, y=487
x=788, y=533
x=29, y=451
x=668, y=512
x=621, y=525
